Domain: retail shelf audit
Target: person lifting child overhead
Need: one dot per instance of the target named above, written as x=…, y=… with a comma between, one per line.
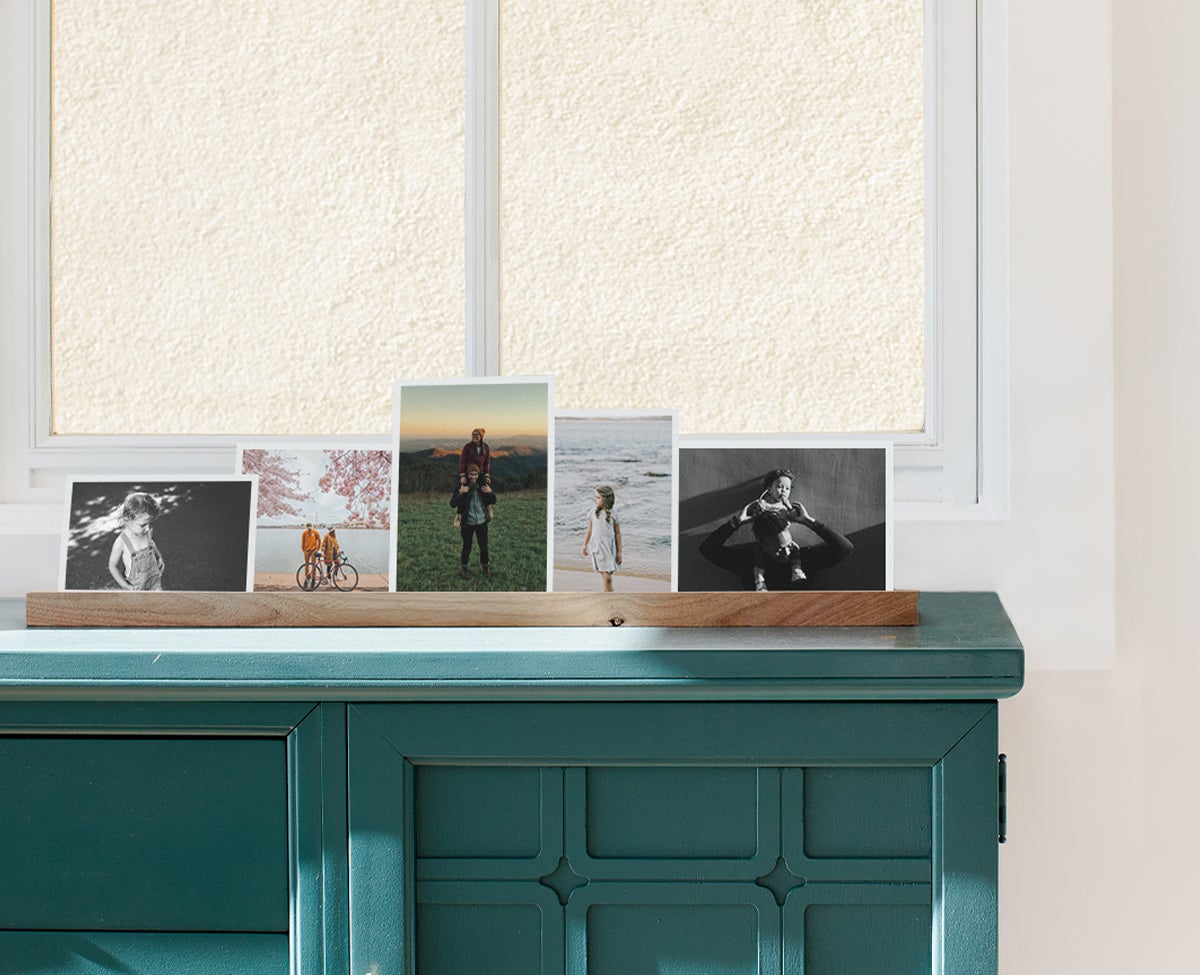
x=776, y=497
x=771, y=561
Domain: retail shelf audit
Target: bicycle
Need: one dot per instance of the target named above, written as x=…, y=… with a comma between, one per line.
x=340, y=574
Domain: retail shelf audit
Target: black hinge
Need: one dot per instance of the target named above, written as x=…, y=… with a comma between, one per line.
x=1002, y=810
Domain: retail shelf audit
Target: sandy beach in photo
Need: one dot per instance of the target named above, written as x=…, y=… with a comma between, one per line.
x=286, y=582
x=571, y=580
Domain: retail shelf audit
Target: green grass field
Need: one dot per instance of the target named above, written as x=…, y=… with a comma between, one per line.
x=428, y=545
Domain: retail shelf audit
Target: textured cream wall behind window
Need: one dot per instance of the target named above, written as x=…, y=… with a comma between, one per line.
x=717, y=206
x=257, y=216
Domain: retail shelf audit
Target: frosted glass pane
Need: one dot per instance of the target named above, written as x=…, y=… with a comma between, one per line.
x=717, y=207
x=257, y=217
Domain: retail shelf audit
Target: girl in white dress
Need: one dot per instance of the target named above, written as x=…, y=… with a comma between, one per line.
x=603, y=540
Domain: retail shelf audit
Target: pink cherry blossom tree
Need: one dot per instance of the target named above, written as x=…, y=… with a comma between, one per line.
x=364, y=479
x=278, y=484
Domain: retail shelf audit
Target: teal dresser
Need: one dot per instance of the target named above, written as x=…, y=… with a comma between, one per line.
x=618, y=801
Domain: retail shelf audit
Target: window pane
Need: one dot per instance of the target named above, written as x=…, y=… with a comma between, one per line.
x=717, y=207
x=257, y=217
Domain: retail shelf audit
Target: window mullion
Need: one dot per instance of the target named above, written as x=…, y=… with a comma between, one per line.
x=482, y=188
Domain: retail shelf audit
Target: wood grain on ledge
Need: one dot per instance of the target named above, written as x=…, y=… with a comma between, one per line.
x=114, y=609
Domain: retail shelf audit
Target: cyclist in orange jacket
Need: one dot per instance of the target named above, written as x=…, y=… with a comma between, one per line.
x=330, y=549
x=310, y=545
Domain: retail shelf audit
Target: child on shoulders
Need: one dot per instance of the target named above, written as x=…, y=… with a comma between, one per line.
x=477, y=453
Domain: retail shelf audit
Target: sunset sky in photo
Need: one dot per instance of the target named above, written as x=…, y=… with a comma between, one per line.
x=450, y=411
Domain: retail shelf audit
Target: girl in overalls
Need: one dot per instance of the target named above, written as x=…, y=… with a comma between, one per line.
x=135, y=561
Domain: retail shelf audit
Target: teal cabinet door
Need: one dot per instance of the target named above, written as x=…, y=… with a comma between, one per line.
x=159, y=838
x=672, y=839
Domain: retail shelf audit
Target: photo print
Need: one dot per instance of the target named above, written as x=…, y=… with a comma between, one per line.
x=799, y=516
x=323, y=517
x=614, y=501
x=471, y=482
x=153, y=533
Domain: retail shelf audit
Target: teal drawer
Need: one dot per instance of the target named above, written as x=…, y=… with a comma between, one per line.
x=144, y=834
x=106, y=953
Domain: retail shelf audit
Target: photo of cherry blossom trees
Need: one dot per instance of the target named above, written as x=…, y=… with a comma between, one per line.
x=345, y=491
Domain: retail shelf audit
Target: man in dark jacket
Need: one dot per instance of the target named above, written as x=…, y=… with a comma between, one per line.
x=473, y=501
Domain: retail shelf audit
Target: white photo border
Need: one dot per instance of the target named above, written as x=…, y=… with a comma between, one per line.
x=146, y=479
x=818, y=442
x=647, y=414
x=312, y=443
x=474, y=381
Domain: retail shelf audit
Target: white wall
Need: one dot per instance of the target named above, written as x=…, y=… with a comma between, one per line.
x=1158, y=344
x=1099, y=874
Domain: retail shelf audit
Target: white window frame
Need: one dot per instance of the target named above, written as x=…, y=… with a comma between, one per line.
x=956, y=469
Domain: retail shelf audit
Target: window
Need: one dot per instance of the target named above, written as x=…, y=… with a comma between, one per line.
x=719, y=207
x=947, y=465
x=286, y=188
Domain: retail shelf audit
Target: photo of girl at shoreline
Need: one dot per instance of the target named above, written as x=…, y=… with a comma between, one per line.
x=614, y=502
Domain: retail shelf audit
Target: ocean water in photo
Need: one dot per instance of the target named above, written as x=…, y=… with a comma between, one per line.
x=634, y=457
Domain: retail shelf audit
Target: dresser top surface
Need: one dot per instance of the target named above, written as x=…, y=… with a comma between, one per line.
x=963, y=646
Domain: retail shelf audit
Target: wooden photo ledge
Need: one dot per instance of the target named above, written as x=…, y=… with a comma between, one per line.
x=112, y=609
